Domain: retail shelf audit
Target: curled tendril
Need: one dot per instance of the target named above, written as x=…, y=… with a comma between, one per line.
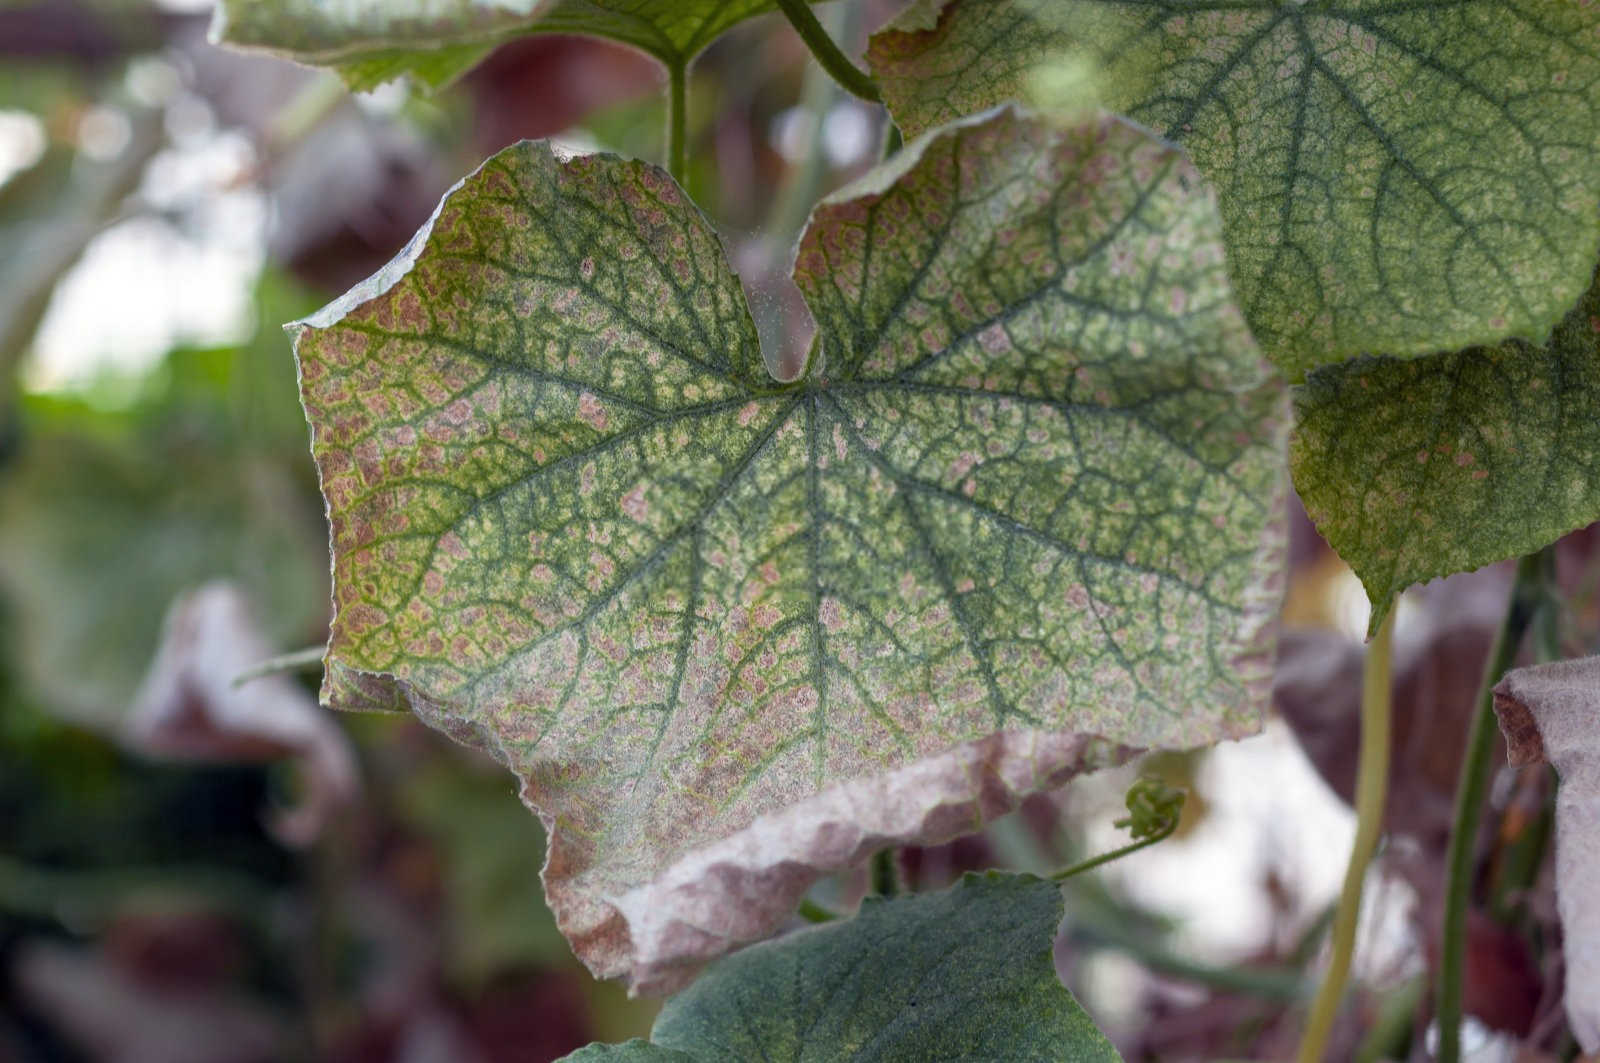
x=1153, y=808
x=1153, y=811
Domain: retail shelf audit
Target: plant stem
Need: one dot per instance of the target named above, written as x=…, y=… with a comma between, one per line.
x=1391, y=1030
x=885, y=875
x=855, y=81
x=1116, y=854
x=1372, y=785
x=1471, y=785
x=677, y=120
x=299, y=660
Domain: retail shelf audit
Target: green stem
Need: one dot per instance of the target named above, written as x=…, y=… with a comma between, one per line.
x=1372, y=785
x=1117, y=854
x=812, y=912
x=855, y=81
x=1470, y=791
x=677, y=120
x=298, y=661
x=885, y=875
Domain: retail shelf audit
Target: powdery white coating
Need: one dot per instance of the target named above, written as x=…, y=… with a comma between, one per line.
x=1348, y=140
x=577, y=523
x=1552, y=712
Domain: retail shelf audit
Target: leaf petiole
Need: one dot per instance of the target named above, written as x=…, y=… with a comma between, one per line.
x=1372, y=787
x=854, y=80
x=297, y=661
x=678, y=121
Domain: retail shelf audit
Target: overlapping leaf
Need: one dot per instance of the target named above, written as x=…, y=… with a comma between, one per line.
x=1396, y=178
x=1023, y=507
x=1414, y=469
x=962, y=974
x=371, y=41
x=1548, y=714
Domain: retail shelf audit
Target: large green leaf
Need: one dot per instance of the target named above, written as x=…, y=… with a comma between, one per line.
x=1420, y=468
x=371, y=41
x=1028, y=493
x=962, y=974
x=1396, y=176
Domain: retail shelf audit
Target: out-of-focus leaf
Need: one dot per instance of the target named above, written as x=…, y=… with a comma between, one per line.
x=1024, y=510
x=113, y=1017
x=491, y=852
x=96, y=539
x=965, y=973
x=1550, y=712
x=938, y=61
x=1395, y=178
x=189, y=706
x=371, y=41
x=48, y=215
x=107, y=515
x=1417, y=468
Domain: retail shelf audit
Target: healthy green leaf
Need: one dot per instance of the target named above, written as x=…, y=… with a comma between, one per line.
x=1028, y=492
x=1395, y=176
x=634, y=1051
x=1420, y=468
x=963, y=974
x=372, y=41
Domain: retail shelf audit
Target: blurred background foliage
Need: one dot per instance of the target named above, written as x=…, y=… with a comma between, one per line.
x=164, y=207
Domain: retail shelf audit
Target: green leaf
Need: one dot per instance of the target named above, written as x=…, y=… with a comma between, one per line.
x=98, y=536
x=1420, y=468
x=1395, y=177
x=1023, y=512
x=634, y=1051
x=964, y=974
x=371, y=41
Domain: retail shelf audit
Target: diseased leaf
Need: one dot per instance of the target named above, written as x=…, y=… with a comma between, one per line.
x=1414, y=469
x=965, y=973
x=371, y=41
x=1549, y=713
x=1395, y=178
x=939, y=60
x=1023, y=510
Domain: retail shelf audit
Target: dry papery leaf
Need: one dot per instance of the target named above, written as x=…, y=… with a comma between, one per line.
x=1549, y=713
x=189, y=707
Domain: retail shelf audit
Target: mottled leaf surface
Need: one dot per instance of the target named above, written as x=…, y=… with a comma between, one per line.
x=964, y=974
x=1418, y=468
x=372, y=41
x=1029, y=487
x=1395, y=177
